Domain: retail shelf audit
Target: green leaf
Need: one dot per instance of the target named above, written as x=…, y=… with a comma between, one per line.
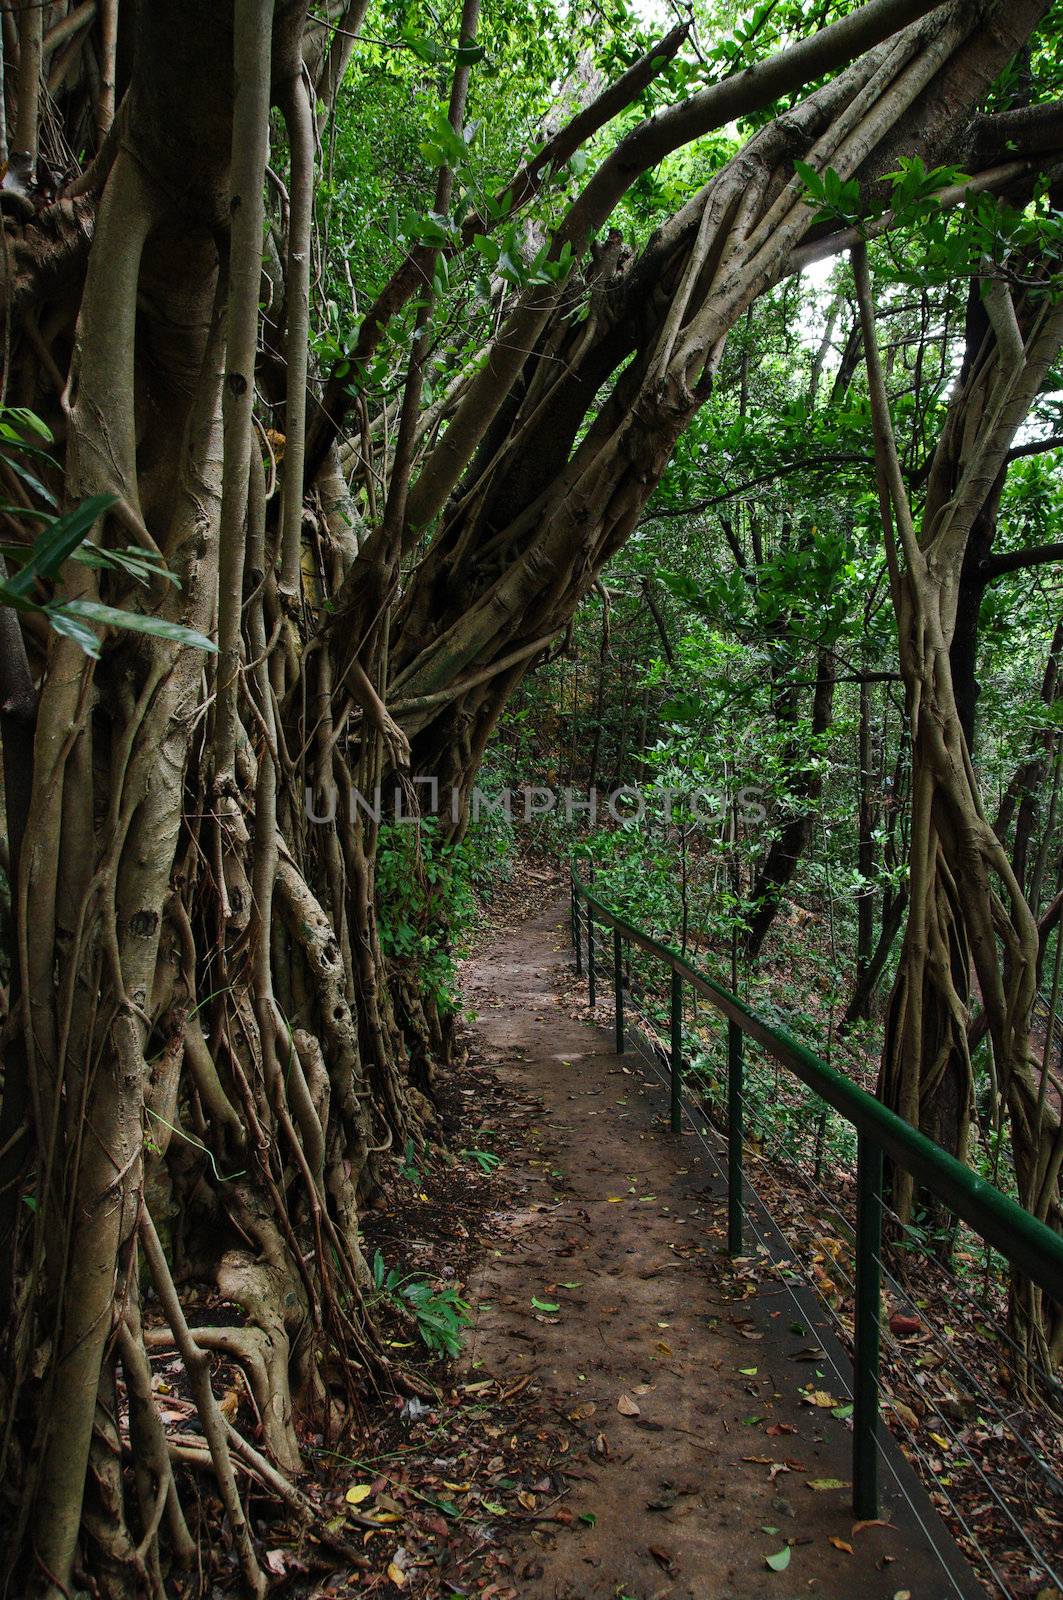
x=140, y=565
x=780, y=1560
x=29, y=480
x=132, y=621
x=72, y=628
x=544, y=1305
x=811, y=179
x=30, y=422
x=52, y=547
x=424, y=49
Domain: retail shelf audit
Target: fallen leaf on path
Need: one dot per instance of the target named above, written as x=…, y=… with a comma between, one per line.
x=904, y=1414
x=840, y=1544
x=627, y=1407
x=780, y=1560
x=359, y=1492
x=825, y=1483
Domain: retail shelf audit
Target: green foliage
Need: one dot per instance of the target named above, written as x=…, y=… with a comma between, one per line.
x=63, y=537
x=410, y=1158
x=426, y=898
x=486, y=1160
x=836, y=200
x=439, y=1312
x=424, y=903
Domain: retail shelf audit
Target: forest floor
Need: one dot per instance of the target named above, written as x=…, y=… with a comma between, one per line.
x=633, y=1416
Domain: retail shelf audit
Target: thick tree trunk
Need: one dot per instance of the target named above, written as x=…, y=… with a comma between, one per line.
x=967, y=911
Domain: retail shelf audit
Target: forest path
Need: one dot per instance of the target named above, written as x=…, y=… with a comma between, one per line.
x=622, y=1230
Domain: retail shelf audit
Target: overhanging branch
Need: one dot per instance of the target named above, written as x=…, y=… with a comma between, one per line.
x=1038, y=555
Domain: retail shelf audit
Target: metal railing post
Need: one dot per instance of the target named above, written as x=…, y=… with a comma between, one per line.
x=867, y=1328
x=677, y=1051
x=618, y=989
x=735, y=1137
x=590, y=955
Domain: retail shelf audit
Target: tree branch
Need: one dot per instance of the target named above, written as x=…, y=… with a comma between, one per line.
x=658, y=617
x=1037, y=555
x=990, y=181
x=1030, y=130
x=1035, y=447
x=415, y=271
x=752, y=90
x=654, y=138
x=695, y=507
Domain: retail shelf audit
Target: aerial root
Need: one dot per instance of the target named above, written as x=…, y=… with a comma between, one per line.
x=215, y=1427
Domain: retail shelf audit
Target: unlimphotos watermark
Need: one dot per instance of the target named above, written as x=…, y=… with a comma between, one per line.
x=531, y=802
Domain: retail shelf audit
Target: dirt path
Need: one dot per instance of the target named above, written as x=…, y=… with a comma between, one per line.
x=705, y=1469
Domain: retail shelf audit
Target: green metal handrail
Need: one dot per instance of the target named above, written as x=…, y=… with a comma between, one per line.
x=1023, y=1239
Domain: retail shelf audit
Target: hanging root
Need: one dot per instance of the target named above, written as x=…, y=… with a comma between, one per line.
x=215, y=1428
x=263, y=1355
